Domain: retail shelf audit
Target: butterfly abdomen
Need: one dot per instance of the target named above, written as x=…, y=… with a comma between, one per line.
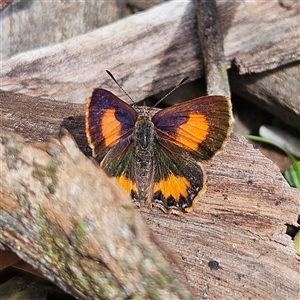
x=143, y=143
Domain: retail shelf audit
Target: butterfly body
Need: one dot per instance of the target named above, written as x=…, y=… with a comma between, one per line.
x=156, y=158
x=143, y=140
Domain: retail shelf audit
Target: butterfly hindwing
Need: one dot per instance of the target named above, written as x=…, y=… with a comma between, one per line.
x=119, y=162
x=199, y=126
x=178, y=178
x=108, y=121
x=176, y=181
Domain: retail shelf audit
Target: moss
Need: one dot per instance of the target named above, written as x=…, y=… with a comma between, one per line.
x=138, y=298
x=54, y=239
x=103, y=281
x=46, y=174
x=11, y=152
x=78, y=235
x=57, y=247
x=148, y=279
x=158, y=276
x=77, y=268
x=23, y=194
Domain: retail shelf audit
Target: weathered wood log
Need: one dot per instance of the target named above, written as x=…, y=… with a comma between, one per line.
x=49, y=73
x=46, y=22
x=62, y=214
x=4, y=4
x=277, y=91
x=238, y=231
x=138, y=5
x=211, y=44
x=151, y=51
x=234, y=245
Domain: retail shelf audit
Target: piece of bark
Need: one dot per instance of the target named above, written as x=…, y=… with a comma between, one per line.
x=62, y=214
x=38, y=119
x=138, y=5
x=234, y=246
x=153, y=50
x=211, y=41
x=4, y=4
x=7, y=258
x=276, y=91
x=52, y=22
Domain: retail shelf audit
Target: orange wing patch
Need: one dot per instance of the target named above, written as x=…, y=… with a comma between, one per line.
x=193, y=132
x=127, y=184
x=174, y=186
x=111, y=128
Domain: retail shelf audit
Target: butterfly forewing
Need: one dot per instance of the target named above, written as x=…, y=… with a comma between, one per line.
x=199, y=126
x=108, y=121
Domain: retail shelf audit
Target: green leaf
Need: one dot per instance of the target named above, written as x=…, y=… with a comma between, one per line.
x=293, y=176
x=297, y=242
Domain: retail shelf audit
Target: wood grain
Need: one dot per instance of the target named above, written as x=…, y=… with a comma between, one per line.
x=62, y=214
x=152, y=51
x=211, y=43
x=51, y=22
x=277, y=91
x=240, y=223
x=234, y=246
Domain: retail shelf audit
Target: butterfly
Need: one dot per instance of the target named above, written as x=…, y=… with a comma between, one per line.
x=156, y=156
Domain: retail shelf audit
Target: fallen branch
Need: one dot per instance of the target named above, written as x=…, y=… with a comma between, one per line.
x=211, y=41
x=60, y=213
x=277, y=91
x=234, y=244
x=152, y=51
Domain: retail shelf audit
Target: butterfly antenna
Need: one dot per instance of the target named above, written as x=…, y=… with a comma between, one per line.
x=175, y=88
x=113, y=78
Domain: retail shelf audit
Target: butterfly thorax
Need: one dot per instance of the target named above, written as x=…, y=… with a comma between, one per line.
x=145, y=112
x=143, y=140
